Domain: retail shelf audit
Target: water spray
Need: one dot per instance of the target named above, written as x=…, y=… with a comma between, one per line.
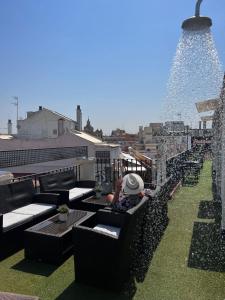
x=197, y=22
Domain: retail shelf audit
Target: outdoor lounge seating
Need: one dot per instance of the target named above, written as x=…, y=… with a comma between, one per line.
x=107, y=245
x=20, y=207
x=72, y=192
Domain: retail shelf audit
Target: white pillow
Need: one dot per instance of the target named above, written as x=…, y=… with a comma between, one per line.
x=112, y=230
x=35, y=209
x=78, y=192
x=11, y=220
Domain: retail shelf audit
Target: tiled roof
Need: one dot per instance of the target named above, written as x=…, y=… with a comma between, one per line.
x=53, y=112
x=58, y=114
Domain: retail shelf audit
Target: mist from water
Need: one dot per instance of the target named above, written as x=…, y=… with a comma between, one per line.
x=196, y=75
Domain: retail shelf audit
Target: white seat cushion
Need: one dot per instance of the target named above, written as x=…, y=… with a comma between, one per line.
x=11, y=220
x=78, y=192
x=34, y=209
x=112, y=230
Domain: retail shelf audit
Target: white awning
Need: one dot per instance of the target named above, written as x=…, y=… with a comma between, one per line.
x=207, y=105
x=129, y=158
x=207, y=118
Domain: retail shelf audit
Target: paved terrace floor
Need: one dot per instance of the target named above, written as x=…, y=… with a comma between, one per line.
x=168, y=278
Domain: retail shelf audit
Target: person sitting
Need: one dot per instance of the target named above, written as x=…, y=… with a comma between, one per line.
x=128, y=193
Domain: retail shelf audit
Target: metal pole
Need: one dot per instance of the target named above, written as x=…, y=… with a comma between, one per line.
x=197, y=8
x=223, y=158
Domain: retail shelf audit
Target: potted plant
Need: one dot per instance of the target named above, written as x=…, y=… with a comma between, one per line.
x=98, y=191
x=63, y=213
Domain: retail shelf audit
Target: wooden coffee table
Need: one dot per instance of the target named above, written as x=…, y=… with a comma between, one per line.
x=51, y=240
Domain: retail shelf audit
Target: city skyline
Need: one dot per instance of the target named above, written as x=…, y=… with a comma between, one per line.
x=113, y=59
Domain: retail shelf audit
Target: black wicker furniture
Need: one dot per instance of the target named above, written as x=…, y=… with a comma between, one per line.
x=106, y=247
x=20, y=208
x=51, y=240
x=70, y=190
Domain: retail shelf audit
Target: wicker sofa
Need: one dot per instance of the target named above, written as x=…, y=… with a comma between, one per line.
x=21, y=207
x=107, y=247
x=71, y=191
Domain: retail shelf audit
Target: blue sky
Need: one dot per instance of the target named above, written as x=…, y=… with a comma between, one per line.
x=112, y=57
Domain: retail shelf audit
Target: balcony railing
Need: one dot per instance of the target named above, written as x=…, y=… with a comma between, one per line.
x=108, y=171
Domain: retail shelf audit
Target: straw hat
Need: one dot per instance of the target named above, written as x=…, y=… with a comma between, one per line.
x=132, y=184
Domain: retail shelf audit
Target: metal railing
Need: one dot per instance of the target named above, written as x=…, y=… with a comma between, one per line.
x=108, y=171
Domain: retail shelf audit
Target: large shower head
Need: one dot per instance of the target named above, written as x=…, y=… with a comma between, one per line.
x=197, y=22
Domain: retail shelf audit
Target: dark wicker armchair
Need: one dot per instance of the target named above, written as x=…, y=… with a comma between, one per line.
x=106, y=247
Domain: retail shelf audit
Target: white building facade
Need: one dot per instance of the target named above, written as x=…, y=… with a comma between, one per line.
x=21, y=156
x=44, y=123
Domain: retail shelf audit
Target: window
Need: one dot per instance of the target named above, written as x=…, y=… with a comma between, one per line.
x=102, y=154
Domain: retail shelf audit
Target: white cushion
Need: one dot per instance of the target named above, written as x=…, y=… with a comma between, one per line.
x=34, y=209
x=11, y=219
x=78, y=192
x=112, y=230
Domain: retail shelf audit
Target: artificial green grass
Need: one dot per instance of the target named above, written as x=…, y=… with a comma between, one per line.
x=168, y=278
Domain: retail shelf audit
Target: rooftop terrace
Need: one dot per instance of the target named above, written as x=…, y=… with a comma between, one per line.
x=169, y=276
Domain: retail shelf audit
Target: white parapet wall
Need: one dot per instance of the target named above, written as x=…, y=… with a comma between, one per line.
x=87, y=168
x=42, y=167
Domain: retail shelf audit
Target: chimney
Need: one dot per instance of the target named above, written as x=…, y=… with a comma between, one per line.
x=9, y=127
x=40, y=107
x=200, y=125
x=29, y=114
x=79, y=118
